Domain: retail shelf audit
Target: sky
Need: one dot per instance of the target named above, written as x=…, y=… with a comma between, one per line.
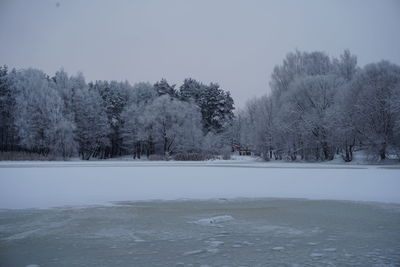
x=234, y=43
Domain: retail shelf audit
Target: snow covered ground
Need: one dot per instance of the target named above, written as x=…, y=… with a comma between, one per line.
x=53, y=184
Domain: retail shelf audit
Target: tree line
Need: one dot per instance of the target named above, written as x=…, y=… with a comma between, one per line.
x=64, y=116
x=320, y=107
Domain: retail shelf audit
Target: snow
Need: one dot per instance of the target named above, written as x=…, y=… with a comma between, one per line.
x=78, y=183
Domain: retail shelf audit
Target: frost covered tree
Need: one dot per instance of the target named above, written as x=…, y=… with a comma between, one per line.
x=216, y=107
x=346, y=66
x=63, y=115
x=318, y=107
x=305, y=115
x=141, y=94
x=215, y=104
x=115, y=97
x=296, y=65
x=67, y=86
x=163, y=88
x=322, y=107
x=133, y=141
x=39, y=115
x=311, y=101
x=136, y=135
x=173, y=124
x=395, y=103
x=62, y=84
x=373, y=90
x=191, y=90
x=92, y=127
x=259, y=116
x=8, y=141
x=297, y=87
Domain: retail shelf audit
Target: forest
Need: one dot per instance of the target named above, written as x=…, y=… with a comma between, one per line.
x=318, y=108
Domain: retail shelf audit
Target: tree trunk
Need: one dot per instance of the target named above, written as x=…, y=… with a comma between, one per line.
x=382, y=153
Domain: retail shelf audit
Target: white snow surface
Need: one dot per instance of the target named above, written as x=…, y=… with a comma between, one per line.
x=76, y=183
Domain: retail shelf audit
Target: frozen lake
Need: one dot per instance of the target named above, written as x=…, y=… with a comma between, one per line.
x=207, y=214
x=54, y=184
x=263, y=232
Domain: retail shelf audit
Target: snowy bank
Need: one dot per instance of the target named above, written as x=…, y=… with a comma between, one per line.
x=51, y=184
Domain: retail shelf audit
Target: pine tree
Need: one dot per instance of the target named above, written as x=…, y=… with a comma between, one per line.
x=163, y=88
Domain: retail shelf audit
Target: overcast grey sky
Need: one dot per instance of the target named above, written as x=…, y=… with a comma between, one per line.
x=234, y=43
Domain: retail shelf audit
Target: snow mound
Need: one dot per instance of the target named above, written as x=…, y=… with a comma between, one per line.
x=214, y=220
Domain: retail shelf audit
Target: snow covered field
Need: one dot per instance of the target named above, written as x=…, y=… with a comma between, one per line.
x=240, y=213
x=54, y=184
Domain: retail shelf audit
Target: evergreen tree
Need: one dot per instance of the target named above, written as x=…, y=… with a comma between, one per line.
x=163, y=88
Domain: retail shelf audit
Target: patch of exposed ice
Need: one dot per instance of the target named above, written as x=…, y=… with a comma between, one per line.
x=21, y=235
x=193, y=252
x=118, y=233
x=214, y=220
x=222, y=234
x=278, y=248
x=215, y=243
x=212, y=250
x=330, y=249
x=280, y=230
x=32, y=265
x=316, y=230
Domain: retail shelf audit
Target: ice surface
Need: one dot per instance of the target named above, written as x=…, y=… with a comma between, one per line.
x=214, y=220
x=51, y=184
x=316, y=255
x=107, y=219
x=193, y=252
x=264, y=232
x=215, y=243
